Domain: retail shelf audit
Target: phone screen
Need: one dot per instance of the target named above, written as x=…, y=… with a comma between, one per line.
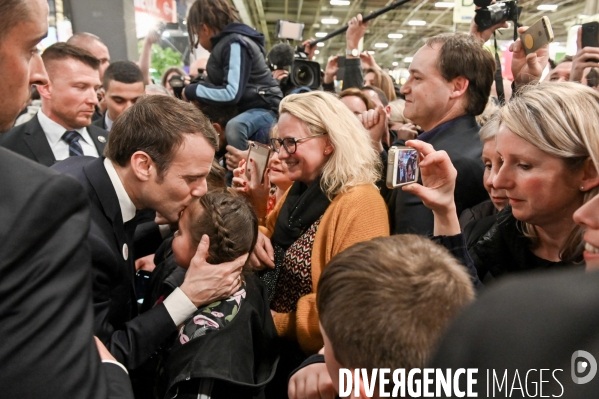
x=407, y=166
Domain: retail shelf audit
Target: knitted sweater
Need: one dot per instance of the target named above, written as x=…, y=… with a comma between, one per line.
x=355, y=216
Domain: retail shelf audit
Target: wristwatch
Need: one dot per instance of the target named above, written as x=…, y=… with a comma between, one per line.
x=353, y=52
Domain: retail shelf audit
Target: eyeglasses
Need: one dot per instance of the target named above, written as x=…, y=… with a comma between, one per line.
x=290, y=143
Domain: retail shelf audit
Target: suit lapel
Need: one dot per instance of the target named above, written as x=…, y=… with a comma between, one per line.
x=35, y=138
x=102, y=185
x=100, y=137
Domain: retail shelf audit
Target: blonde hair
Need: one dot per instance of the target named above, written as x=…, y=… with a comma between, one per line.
x=383, y=81
x=489, y=129
x=561, y=119
x=353, y=161
x=397, y=107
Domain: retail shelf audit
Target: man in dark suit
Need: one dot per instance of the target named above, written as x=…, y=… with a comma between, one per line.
x=164, y=173
x=68, y=102
x=445, y=91
x=123, y=85
x=46, y=317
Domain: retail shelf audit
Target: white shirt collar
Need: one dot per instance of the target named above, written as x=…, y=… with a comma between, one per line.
x=108, y=122
x=54, y=131
x=127, y=206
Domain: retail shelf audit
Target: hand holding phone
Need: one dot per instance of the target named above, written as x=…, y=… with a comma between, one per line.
x=402, y=166
x=587, y=55
x=538, y=35
x=257, y=158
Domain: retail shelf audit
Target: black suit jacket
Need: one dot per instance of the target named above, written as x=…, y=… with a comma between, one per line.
x=30, y=141
x=100, y=122
x=130, y=338
x=46, y=318
x=528, y=322
x=461, y=142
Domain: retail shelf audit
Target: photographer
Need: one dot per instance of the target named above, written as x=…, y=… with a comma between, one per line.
x=237, y=72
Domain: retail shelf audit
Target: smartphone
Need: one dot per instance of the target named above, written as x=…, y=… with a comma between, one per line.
x=537, y=36
x=289, y=30
x=259, y=153
x=142, y=278
x=590, y=34
x=402, y=166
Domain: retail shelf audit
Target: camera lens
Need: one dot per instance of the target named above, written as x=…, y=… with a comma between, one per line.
x=304, y=76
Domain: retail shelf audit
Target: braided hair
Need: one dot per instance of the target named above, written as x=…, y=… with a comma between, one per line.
x=230, y=223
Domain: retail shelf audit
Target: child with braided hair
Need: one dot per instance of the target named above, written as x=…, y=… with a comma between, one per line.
x=227, y=348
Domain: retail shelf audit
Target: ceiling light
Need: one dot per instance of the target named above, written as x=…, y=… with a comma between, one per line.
x=330, y=21
x=320, y=34
x=547, y=7
x=416, y=23
x=381, y=45
x=321, y=44
x=339, y=2
x=316, y=51
x=394, y=63
x=444, y=4
x=370, y=52
x=408, y=59
x=394, y=35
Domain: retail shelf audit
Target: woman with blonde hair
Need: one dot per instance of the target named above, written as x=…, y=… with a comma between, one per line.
x=378, y=78
x=332, y=204
x=548, y=141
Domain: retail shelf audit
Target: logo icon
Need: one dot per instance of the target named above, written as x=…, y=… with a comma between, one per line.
x=580, y=366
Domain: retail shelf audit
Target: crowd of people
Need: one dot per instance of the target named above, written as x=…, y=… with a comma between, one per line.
x=145, y=254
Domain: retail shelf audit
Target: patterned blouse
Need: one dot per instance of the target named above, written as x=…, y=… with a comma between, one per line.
x=295, y=279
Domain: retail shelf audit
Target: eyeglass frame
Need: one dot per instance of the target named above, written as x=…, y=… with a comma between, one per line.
x=295, y=141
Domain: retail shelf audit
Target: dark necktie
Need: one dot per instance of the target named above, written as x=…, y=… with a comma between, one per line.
x=72, y=138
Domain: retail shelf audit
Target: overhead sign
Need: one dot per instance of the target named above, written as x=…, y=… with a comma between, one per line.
x=164, y=10
x=463, y=11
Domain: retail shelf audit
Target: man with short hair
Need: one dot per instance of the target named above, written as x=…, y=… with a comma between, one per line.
x=98, y=49
x=158, y=156
x=62, y=127
x=123, y=85
x=446, y=89
x=383, y=303
x=46, y=317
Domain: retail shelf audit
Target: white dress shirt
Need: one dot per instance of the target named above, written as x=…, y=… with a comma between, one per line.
x=108, y=122
x=177, y=304
x=60, y=148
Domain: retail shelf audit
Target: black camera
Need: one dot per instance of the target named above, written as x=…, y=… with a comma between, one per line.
x=302, y=73
x=177, y=82
x=492, y=14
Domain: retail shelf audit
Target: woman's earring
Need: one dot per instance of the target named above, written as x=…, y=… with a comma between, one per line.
x=581, y=188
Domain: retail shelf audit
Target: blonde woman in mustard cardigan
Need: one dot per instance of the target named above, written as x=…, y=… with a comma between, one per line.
x=332, y=204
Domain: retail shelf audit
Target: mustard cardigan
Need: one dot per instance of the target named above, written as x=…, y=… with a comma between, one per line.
x=358, y=215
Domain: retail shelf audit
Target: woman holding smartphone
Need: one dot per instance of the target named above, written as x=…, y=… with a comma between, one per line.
x=332, y=204
x=548, y=140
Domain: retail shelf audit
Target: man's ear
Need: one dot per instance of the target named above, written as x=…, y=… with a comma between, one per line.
x=459, y=87
x=142, y=166
x=45, y=91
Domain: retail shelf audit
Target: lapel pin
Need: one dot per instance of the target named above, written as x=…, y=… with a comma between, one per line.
x=101, y=139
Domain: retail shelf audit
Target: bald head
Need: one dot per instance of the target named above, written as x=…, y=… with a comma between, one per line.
x=94, y=45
